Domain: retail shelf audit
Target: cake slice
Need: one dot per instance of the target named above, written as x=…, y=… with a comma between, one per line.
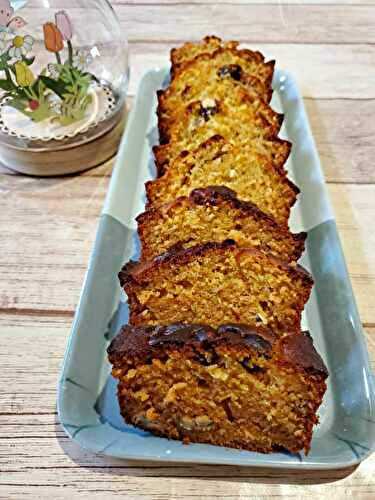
x=242, y=125
x=211, y=45
x=212, y=76
x=214, y=214
x=218, y=163
x=217, y=283
x=171, y=105
x=275, y=150
x=190, y=50
x=248, y=108
x=237, y=386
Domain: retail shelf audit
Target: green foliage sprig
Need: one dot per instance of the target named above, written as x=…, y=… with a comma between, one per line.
x=62, y=96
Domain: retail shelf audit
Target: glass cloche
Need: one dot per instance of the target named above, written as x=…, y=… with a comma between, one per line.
x=63, y=83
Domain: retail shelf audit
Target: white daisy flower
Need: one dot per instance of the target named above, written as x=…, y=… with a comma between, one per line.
x=21, y=45
x=4, y=42
x=53, y=71
x=81, y=59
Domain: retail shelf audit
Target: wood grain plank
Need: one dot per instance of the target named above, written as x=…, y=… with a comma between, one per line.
x=35, y=355
x=59, y=255
x=353, y=217
x=108, y=483
x=30, y=443
x=103, y=170
x=58, y=238
x=343, y=130
x=275, y=23
x=295, y=23
x=321, y=70
x=29, y=318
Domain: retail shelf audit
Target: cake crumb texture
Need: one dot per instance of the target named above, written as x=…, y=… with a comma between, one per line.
x=214, y=214
x=235, y=386
x=216, y=162
x=217, y=283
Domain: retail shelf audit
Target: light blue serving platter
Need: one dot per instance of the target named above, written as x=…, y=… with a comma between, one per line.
x=87, y=402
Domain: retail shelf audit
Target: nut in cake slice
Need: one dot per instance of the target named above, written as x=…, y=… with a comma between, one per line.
x=244, y=125
x=212, y=76
x=215, y=214
x=245, y=107
x=211, y=44
x=216, y=162
x=236, y=386
x=217, y=283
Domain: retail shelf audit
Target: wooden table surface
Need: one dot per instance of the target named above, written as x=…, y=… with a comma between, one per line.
x=47, y=227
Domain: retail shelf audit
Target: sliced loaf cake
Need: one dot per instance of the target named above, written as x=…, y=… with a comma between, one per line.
x=190, y=50
x=217, y=283
x=218, y=163
x=241, y=125
x=211, y=44
x=237, y=386
x=248, y=108
x=211, y=76
x=214, y=214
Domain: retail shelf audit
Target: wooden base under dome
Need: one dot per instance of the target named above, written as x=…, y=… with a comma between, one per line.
x=60, y=158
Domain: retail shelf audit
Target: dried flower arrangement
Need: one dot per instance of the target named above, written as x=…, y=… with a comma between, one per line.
x=61, y=91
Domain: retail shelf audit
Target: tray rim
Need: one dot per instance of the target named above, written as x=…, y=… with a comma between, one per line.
x=144, y=456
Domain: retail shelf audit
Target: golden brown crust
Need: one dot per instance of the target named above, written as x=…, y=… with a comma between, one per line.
x=169, y=111
x=141, y=342
x=214, y=195
x=209, y=45
x=235, y=386
x=270, y=190
x=190, y=50
x=226, y=217
x=139, y=272
x=263, y=119
x=299, y=351
x=239, y=104
x=216, y=283
x=164, y=154
x=213, y=76
x=256, y=134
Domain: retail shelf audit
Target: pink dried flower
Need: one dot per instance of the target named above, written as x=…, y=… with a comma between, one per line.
x=64, y=24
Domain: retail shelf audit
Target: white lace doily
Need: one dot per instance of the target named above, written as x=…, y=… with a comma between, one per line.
x=16, y=124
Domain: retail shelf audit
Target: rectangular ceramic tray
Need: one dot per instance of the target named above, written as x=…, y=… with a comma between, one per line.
x=87, y=403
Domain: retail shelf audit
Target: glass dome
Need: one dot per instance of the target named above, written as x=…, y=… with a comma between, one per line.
x=63, y=72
